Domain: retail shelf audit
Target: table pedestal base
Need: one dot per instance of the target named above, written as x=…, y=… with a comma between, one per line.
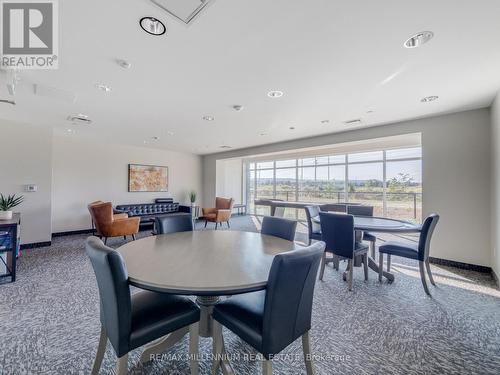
x=206, y=304
x=160, y=345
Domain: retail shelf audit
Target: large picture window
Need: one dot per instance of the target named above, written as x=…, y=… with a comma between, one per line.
x=388, y=180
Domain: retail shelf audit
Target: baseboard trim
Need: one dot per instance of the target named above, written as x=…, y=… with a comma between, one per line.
x=34, y=245
x=495, y=277
x=464, y=266
x=72, y=232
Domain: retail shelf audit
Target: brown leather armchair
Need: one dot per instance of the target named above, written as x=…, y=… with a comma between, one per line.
x=115, y=216
x=221, y=213
x=109, y=225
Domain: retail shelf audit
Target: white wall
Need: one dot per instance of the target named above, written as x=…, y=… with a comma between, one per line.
x=455, y=173
x=229, y=179
x=495, y=185
x=26, y=158
x=85, y=171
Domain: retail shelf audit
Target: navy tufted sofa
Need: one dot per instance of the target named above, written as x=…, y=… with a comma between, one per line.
x=149, y=211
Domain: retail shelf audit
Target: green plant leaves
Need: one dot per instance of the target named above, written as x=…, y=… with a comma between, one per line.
x=11, y=201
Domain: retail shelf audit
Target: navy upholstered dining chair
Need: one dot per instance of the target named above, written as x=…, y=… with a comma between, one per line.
x=173, y=224
x=314, y=229
x=360, y=210
x=418, y=251
x=272, y=319
x=337, y=232
x=130, y=321
x=279, y=227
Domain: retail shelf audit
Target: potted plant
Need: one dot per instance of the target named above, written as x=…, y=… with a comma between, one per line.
x=6, y=205
x=192, y=198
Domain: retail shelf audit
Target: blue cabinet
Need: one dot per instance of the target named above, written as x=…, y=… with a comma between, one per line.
x=9, y=244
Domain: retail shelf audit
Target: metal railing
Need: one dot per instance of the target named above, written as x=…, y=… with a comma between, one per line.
x=385, y=201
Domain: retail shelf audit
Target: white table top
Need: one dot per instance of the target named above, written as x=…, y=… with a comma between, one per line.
x=203, y=262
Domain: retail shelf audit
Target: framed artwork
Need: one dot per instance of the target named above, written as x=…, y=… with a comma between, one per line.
x=147, y=178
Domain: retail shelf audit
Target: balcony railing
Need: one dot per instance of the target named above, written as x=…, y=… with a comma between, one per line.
x=401, y=205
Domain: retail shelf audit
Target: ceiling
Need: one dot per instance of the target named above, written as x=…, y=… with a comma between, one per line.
x=334, y=60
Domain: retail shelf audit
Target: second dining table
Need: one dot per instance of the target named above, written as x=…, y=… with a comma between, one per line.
x=379, y=225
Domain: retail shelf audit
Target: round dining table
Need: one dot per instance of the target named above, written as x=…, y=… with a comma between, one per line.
x=379, y=225
x=205, y=264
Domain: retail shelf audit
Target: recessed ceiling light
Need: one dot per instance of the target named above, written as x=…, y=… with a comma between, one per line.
x=69, y=130
x=275, y=94
x=429, y=98
x=123, y=63
x=292, y=128
x=170, y=133
x=152, y=26
x=208, y=118
x=237, y=107
x=325, y=121
x=103, y=87
x=418, y=39
x=155, y=138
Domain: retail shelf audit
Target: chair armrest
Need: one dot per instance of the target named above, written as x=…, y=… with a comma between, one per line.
x=123, y=227
x=223, y=215
x=207, y=211
x=183, y=208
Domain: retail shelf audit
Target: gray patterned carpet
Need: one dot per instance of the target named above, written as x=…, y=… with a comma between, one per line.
x=50, y=322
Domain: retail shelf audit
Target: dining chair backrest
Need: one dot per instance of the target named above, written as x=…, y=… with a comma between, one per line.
x=279, y=227
x=333, y=207
x=360, y=210
x=289, y=297
x=424, y=242
x=311, y=213
x=114, y=292
x=173, y=224
x=337, y=230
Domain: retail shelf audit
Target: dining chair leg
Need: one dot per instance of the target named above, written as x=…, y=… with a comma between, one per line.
x=193, y=348
x=216, y=225
x=388, y=262
x=133, y=237
x=365, y=266
x=372, y=249
x=422, y=277
x=380, y=266
x=206, y=222
x=428, y=267
x=306, y=348
x=267, y=367
x=125, y=238
x=122, y=365
x=336, y=262
x=351, y=271
x=101, y=349
x=105, y=240
x=229, y=226
x=323, y=264
x=216, y=346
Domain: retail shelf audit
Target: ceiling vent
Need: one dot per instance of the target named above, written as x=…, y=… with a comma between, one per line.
x=79, y=119
x=184, y=10
x=54, y=93
x=353, y=122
